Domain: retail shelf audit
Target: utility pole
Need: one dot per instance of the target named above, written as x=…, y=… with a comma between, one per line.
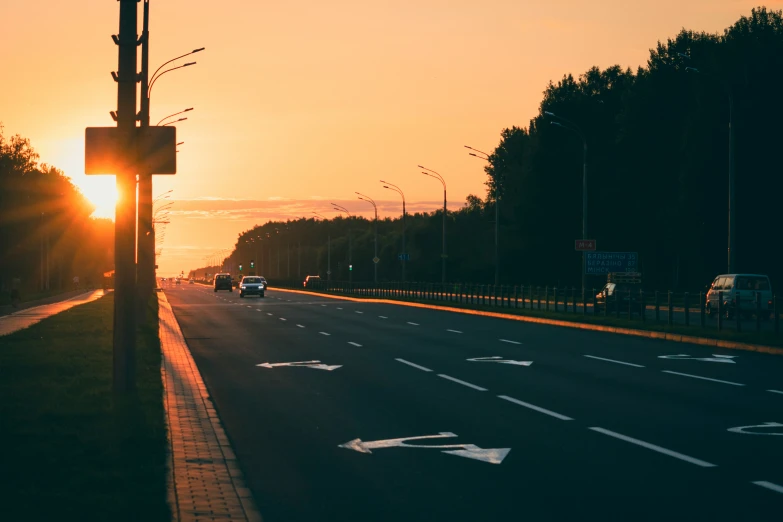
x=124, y=342
x=145, y=238
x=732, y=206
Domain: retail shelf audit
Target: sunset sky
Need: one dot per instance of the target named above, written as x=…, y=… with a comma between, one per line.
x=297, y=104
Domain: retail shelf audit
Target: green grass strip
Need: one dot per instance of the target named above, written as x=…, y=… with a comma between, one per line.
x=71, y=449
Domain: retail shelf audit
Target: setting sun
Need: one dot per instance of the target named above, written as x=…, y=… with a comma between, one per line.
x=101, y=191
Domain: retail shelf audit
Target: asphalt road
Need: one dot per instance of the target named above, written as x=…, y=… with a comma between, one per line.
x=597, y=427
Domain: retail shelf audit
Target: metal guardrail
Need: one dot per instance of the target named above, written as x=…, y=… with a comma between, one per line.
x=663, y=308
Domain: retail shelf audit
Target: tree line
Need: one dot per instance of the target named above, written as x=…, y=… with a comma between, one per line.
x=657, y=154
x=47, y=236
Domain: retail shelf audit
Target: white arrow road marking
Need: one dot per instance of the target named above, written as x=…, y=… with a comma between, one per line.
x=471, y=451
x=741, y=429
x=507, y=341
x=316, y=365
x=499, y=359
x=715, y=358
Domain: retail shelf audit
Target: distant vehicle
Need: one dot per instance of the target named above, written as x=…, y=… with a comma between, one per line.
x=177, y=281
x=251, y=285
x=223, y=282
x=311, y=279
x=742, y=288
x=191, y=282
x=621, y=291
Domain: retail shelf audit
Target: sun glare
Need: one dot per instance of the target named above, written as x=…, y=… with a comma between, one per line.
x=101, y=191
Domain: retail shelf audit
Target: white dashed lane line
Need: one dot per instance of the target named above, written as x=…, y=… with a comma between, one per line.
x=614, y=361
x=769, y=485
x=358, y=312
x=268, y=313
x=324, y=333
x=355, y=344
x=339, y=308
x=453, y=331
x=507, y=341
x=469, y=385
x=382, y=317
x=283, y=319
x=702, y=378
x=535, y=408
x=300, y=326
x=414, y=324
x=422, y=368
x=653, y=447
x=775, y=391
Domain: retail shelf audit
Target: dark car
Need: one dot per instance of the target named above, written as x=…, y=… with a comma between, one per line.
x=252, y=285
x=223, y=282
x=621, y=292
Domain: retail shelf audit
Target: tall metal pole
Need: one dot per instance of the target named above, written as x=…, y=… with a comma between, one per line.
x=497, y=230
x=732, y=207
x=124, y=341
x=145, y=239
x=443, y=255
x=404, y=260
x=584, y=209
x=329, y=257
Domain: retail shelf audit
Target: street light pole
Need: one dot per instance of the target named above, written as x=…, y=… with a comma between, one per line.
x=573, y=127
x=396, y=189
x=350, y=243
x=374, y=260
x=329, y=248
x=431, y=173
x=497, y=215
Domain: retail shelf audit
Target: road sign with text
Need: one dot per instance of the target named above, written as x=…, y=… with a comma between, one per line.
x=611, y=262
x=585, y=244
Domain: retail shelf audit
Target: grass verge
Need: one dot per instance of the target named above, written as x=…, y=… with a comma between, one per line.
x=72, y=449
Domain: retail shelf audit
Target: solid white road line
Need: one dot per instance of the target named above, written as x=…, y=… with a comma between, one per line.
x=702, y=378
x=300, y=326
x=612, y=360
x=355, y=344
x=383, y=317
x=324, y=333
x=507, y=341
x=422, y=368
x=479, y=388
x=653, y=447
x=769, y=485
x=775, y=391
x=414, y=324
x=534, y=407
x=453, y=331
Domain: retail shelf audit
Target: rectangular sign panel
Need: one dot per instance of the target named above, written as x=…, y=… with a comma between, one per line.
x=606, y=262
x=156, y=151
x=584, y=244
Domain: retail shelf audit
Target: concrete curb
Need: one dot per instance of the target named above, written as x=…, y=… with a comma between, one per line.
x=204, y=475
x=678, y=338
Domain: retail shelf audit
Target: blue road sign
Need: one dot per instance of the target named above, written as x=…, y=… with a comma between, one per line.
x=606, y=262
x=406, y=257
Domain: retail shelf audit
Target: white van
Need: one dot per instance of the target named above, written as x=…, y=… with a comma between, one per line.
x=744, y=287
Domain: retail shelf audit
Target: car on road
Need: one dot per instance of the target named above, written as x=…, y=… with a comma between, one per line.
x=251, y=285
x=191, y=282
x=178, y=281
x=223, y=282
x=311, y=279
x=742, y=289
x=621, y=291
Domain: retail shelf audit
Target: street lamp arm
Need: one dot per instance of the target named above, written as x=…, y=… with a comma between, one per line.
x=175, y=121
x=172, y=115
x=442, y=181
x=152, y=83
x=194, y=51
x=571, y=125
x=481, y=151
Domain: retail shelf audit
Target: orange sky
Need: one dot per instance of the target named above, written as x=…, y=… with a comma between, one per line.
x=302, y=103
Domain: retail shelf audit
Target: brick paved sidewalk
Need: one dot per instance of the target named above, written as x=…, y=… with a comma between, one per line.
x=205, y=482
x=29, y=316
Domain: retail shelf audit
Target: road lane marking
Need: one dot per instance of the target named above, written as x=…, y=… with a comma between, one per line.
x=534, y=407
x=453, y=331
x=300, y=326
x=358, y=312
x=612, y=360
x=339, y=308
x=249, y=306
x=283, y=319
x=414, y=324
x=702, y=378
x=355, y=344
x=507, y=341
x=383, y=317
x=471, y=451
x=259, y=310
x=324, y=333
x=323, y=305
x=775, y=391
x=479, y=388
x=268, y=313
x=653, y=447
x=769, y=485
x=422, y=368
